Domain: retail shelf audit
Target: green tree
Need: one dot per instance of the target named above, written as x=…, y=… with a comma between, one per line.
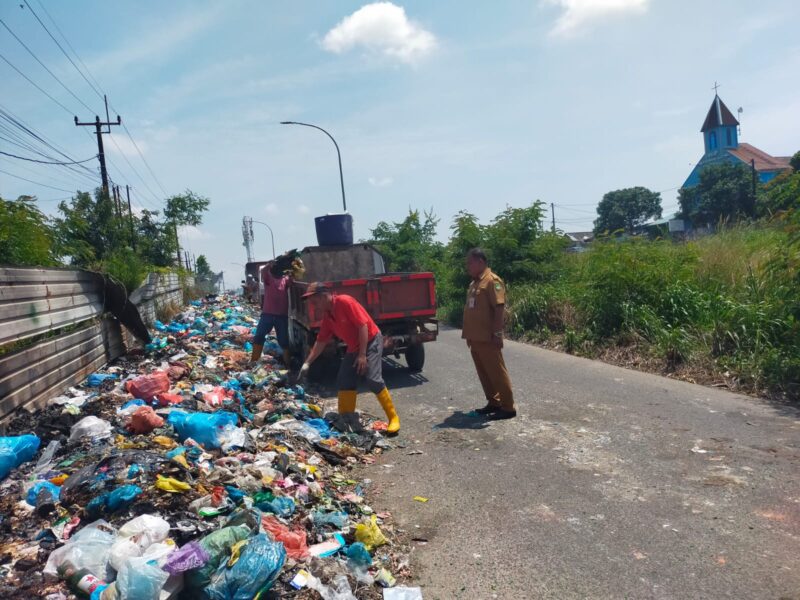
x=409, y=245
x=88, y=231
x=25, y=234
x=204, y=277
x=725, y=192
x=155, y=240
x=782, y=193
x=626, y=209
x=795, y=161
x=182, y=210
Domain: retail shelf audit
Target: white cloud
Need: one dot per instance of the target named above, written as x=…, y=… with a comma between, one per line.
x=272, y=209
x=381, y=181
x=383, y=28
x=303, y=209
x=577, y=15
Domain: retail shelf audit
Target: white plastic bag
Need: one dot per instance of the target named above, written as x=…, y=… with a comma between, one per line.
x=340, y=590
x=402, y=593
x=88, y=549
x=135, y=537
x=90, y=427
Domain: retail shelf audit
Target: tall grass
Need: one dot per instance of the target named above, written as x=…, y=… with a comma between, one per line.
x=730, y=301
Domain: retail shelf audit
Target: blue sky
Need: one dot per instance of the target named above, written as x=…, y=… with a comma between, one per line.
x=445, y=105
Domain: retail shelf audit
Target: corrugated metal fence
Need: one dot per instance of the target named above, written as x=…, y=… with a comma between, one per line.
x=69, y=304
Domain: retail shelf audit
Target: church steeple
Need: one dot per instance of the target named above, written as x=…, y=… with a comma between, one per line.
x=719, y=128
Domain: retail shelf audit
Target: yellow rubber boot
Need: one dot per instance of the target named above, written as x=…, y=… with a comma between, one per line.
x=385, y=398
x=257, y=350
x=347, y=401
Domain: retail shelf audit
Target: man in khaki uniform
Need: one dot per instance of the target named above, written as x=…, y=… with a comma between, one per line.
x=484, y=316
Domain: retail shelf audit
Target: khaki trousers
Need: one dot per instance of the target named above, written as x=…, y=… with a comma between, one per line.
x=493, y=374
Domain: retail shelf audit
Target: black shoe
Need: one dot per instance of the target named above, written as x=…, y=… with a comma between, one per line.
x=487, y=410
x=502, y=415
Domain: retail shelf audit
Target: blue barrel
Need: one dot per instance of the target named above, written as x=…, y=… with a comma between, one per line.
x=334, y=230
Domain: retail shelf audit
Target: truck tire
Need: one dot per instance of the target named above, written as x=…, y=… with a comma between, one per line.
x=415, y=357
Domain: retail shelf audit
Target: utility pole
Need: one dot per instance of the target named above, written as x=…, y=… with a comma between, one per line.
x=177, y=244
x=194, y=262
x=117, y=201
x=130, y=215
x=553, y=212
x=98, y=128
x=247, y=234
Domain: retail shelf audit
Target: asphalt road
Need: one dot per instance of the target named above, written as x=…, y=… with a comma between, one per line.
x=610, y=483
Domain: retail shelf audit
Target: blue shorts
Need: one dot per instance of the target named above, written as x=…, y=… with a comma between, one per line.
x=266, y=324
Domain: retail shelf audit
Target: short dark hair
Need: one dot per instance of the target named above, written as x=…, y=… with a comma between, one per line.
x=477, y=253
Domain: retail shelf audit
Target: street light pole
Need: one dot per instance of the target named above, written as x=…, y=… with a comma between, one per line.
x=338, y=153
x=272, y=235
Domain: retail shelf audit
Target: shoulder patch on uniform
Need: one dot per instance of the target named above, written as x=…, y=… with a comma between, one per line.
x=498, y=286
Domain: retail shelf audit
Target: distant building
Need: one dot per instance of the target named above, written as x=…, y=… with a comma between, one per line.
x=721, y=140
x=579, y=240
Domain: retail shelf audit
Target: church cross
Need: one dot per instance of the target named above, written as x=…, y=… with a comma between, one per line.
x=716, y=87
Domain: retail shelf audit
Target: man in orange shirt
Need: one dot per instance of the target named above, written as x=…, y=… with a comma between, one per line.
x=344, y=318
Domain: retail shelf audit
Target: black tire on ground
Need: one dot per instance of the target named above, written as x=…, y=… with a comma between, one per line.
x=415, y=357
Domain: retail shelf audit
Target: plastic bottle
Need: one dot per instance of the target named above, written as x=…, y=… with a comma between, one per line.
x=81, y=581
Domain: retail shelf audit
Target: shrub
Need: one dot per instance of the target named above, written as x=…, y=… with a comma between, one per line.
x=126, y=266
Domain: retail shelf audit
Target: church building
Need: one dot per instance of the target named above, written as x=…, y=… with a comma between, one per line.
x=721, y=139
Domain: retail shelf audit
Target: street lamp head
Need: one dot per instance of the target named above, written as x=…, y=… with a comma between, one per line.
x=287, y=122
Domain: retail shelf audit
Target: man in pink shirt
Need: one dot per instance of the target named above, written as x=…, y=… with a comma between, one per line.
x=274, y=313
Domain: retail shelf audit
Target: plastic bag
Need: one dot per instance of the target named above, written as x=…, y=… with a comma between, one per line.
x=337, y=519
x=136, y=536
x=340, y=590
x=358, y=555
x=402, y=593
x=322, y=427
x=283, y=506
x=97, y=379
x=92, y=427
x=370, y=534
x=149, y=386
x=87, y=549
x=167, y=399
x=298, y=428
x=42, y=487
x=201, y=427
x=232, y=437
x=294, y=540
x=140, y=579
x=144, y=420
x=172, y=485
x=187, y=557
x=115, y=500
x=217, y=545
x=16, y=450
x=258, y=566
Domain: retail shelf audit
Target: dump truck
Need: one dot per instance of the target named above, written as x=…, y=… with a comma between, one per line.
x=403, y=305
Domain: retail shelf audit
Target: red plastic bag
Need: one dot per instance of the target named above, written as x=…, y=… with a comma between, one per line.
x=217, y=396
x=148, y=387
x=294, y=540
x=166, y=399
x=177, y=370
x=144, y=420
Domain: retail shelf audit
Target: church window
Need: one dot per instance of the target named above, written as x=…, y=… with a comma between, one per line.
x=730, y=141
x=712, y=140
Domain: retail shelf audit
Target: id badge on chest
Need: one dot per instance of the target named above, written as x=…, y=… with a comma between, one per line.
x=471, y=302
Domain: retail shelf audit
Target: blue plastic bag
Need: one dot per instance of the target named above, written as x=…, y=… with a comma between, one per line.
x=97, y=379
x=54, y=490
x=322, y=426
x=283, y=506
x=115, y=500
x=337, y=519
x=358, y=555
x=235, y=494
x=141, y=579
x=259, y=565
x=201, y=427
x=16, y=450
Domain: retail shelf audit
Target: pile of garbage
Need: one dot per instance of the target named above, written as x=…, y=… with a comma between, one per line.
x=185, y=471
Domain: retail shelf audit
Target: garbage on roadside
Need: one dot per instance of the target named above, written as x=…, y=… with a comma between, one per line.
x=185, y=471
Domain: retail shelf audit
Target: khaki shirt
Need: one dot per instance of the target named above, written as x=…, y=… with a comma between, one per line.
x=484, y=295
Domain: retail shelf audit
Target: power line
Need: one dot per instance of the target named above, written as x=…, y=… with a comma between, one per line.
x=34, y=84
x=44, y=162
x=36, y=182
x=44, y=66
x=99, y=91
x=64, y=52
x=147, y=187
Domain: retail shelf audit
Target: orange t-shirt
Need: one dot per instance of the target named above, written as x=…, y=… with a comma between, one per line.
x=344, y=319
